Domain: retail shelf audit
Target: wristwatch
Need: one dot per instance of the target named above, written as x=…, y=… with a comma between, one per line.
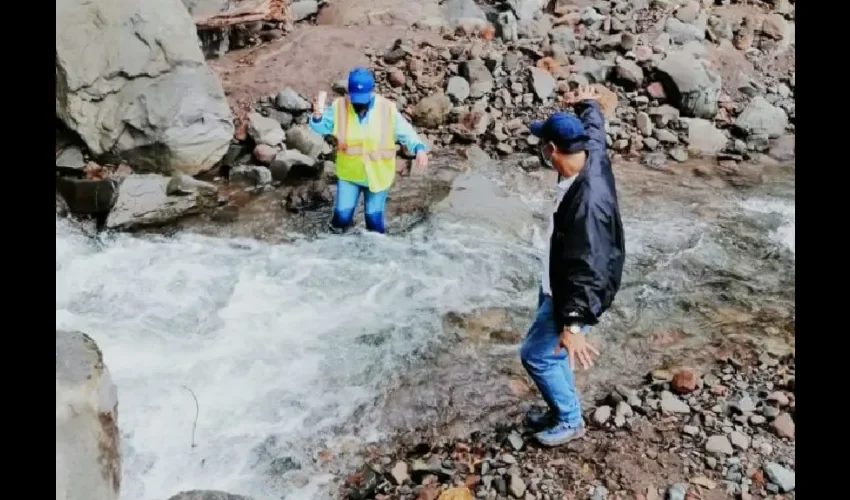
x=574, y=329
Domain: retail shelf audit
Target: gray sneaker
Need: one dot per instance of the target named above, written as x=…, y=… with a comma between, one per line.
x=559, y=434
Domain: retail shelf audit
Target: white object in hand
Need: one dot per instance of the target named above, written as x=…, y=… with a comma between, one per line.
x=320, y=103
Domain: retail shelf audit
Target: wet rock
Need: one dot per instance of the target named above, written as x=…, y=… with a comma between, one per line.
x=783, y=426
x=285, y=161
x=151, y=99
x=431, y=111
x=71, y=158
x=784, y=478
x=207, y=495
x=690, y=84
x=88, y=196
x=719, y=445
x=310, y=196
x=250, y=175
x=762, y=118
x=265, y=130
x=305, y=141
x=61, y=206
x=290, y=100
x=542, y=82
x=88, y=452
x=483, y=324
x=457, y=88
x=143, y=200
x=264, y=153
x=704, y=139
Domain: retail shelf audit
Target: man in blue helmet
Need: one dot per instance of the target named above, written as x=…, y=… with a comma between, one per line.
x=367, y=127
x=582, y=268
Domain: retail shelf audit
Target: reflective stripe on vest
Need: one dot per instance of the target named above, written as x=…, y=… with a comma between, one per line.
x=366, y=152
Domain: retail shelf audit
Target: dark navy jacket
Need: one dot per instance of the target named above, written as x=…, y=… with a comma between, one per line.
x=588, y=246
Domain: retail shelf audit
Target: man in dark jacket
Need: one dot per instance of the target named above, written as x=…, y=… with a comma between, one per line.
x=582, y=268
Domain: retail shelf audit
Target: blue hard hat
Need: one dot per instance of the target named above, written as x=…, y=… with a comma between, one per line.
x=361, y=83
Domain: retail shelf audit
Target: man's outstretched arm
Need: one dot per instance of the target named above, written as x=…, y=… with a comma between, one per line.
x=325, y=124
x=406, y=135
x=590, y=113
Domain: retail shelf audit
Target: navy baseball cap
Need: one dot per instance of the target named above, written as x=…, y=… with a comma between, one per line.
x=562, y=129
x=361, y=83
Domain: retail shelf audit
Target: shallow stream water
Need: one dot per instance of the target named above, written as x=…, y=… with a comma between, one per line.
x=288, y=346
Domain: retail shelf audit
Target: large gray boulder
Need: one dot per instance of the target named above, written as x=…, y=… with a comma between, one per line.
x=691, y=84
x=131, y=81
x=88, y=452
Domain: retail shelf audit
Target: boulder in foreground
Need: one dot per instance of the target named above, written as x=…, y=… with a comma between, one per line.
x=131, y=81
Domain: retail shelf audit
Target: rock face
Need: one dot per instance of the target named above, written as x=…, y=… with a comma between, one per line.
x=131, y=81
x=88, y=456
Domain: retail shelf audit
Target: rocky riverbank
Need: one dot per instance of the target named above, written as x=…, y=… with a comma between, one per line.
x=727, y=433
x=680, y=80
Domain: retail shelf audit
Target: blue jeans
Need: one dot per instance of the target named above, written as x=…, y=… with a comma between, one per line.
x=347, y=196
x=551, y=372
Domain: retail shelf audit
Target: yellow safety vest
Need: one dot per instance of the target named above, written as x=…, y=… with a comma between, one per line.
x=366, y=151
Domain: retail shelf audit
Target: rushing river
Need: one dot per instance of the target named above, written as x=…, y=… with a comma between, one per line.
x=276, y=342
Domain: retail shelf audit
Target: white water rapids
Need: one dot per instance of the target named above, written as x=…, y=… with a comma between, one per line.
x=270, y=338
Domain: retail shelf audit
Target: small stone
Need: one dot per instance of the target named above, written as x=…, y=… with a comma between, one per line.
x=399, y=473
x=784, y=478
x=679, y=154
x=671, y=404
x=744, y=405
x=757, y=420
x=515, y=439
x=739, y=440
x=601, y=415
x=719, y=445
x=457, y=88
x=543, y=83
x=665, y=136
x=677, y=491
x=264, y=153
x=265, y=130
x=644, y=123
x=690, y=430
x=783, y=426
x=516, y=485
x=778, y=398
x=289, y=100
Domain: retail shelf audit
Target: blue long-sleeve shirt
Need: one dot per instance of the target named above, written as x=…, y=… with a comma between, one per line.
x=404, y=132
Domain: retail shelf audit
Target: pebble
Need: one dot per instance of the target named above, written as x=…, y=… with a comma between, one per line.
x=780, y=476
x=677, y=491
x=719, y=445
x=783, y=426
x=601, y=415
x=739, y=440
x=516, y=486
x=672, y=404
